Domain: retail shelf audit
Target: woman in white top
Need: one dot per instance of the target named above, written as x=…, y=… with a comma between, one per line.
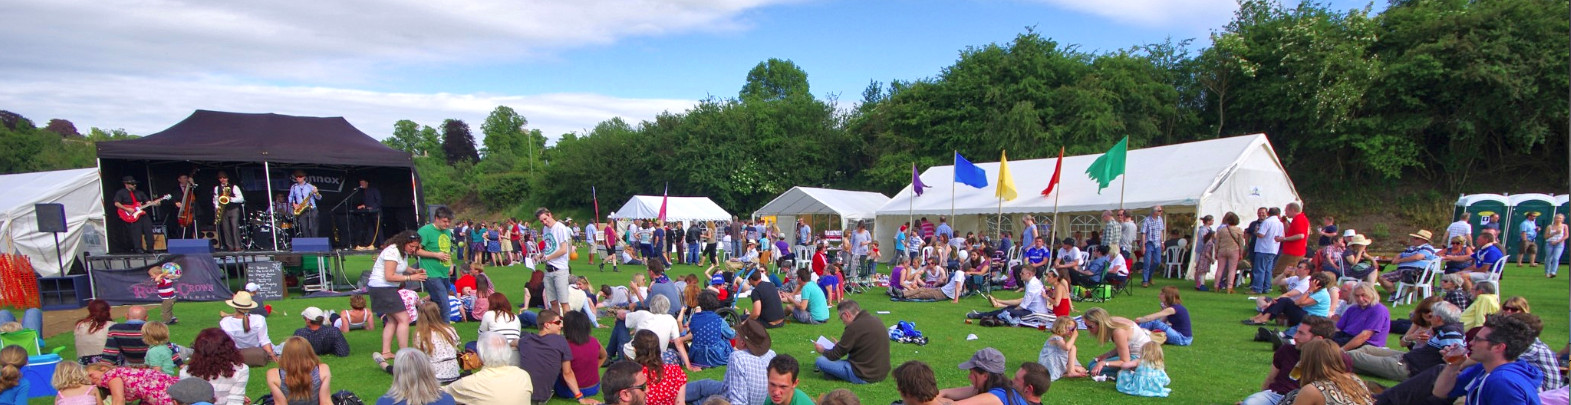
x=657, y=319
x=214, y=359
x=392, y=268
x=500, y=318
x=248, y=330
x=1127, y=338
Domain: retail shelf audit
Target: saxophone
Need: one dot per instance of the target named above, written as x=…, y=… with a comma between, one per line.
x=223, y=204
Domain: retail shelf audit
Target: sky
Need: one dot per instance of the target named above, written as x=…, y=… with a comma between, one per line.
x=143, y=65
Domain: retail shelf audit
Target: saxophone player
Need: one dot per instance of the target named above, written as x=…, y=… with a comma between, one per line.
x=303, y=197
x=226, y=212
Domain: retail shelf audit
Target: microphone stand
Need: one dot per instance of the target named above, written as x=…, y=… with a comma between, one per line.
x=349, y=217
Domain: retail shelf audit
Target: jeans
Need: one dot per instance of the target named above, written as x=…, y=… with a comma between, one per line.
x=1109, y=371
x=436, y=288
x=736, y=247
x=1173, y=336
x=697, y=391
x=1267, y=397
x=32, y=318
x=692, y=253
x=1552, y=257
x=619, y=337
x=1260, y=270
x=837, y=369
x=1153, y=262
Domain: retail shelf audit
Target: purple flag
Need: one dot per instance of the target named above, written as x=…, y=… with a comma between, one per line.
x=916, y=181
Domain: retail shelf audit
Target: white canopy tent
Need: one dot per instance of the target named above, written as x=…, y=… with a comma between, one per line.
x=81, y=193
x=677, y=209
x=1235, y=174
x=849, y=205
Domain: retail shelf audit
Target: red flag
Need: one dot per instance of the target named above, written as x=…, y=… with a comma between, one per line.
x=663, y=198
x=1057, y=168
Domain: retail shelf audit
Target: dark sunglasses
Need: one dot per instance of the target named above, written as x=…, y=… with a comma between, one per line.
x=1511, y=308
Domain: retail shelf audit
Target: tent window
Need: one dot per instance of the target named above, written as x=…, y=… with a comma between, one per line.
x=1007, y=223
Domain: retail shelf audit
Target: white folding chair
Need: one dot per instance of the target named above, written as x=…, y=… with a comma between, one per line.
x=804, y=256
x=1173, y=261
x=1494, y=272
x=1425, y=284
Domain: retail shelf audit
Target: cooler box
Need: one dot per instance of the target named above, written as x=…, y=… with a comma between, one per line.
x=40, y=373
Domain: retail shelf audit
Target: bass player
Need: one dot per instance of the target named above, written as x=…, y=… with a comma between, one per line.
x=227, y=201
x=186, y=206
x=139, y=228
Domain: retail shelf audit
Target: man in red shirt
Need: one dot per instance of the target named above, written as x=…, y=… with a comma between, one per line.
x=1295, y=241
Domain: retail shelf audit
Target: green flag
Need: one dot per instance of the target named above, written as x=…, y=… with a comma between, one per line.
x=1110, y=165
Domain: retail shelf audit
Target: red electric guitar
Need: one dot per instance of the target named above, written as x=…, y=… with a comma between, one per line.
x=130, y=216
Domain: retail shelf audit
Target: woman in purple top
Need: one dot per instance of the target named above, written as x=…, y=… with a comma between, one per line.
x=1172, y=320
x=1366, y=322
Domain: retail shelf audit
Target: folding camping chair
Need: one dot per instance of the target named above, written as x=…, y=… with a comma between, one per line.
x=1424, y=284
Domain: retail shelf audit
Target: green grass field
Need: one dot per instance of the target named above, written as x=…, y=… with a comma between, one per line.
x=1222, y=366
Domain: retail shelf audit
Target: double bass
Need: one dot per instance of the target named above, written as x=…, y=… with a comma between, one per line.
x=187, y=205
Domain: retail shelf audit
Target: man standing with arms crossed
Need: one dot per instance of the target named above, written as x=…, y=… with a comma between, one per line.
x=558, y=242
x=436, y=240
x=1151, y=231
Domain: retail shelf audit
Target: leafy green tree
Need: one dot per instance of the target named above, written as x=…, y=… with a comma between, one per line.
x=775, y=79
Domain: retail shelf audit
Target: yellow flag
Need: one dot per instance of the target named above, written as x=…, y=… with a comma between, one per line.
x=1006, y=184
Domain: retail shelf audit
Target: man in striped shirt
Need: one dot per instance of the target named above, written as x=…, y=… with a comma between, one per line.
x=124, y=345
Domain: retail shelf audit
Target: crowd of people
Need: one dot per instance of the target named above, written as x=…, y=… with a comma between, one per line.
x=663, y=327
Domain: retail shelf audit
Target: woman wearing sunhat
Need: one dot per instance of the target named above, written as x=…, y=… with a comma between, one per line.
x=1359, y=263
x=248, y=330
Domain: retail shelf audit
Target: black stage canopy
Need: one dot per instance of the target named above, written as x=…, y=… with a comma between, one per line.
x=259, y=151
x=238, y=137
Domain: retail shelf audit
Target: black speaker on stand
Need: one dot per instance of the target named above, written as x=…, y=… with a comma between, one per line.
x=51, y=218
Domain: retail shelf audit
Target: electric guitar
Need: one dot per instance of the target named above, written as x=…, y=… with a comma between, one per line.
x=131, y=216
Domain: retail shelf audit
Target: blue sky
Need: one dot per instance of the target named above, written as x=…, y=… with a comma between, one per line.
x=564, y=65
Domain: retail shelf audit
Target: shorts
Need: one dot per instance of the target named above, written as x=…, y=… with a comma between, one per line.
x=556, y=281
x=1401, y=274
x=1529, y=249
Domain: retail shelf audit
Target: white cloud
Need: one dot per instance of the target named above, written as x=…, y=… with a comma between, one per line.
x=1157, y=13
x=143, y=106
x=327, y=40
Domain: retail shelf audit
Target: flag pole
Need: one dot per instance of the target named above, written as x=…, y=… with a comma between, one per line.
x=911, y=201
x=952, y=185
x=999, y=235
x=1123, y=184
x=1057, y=195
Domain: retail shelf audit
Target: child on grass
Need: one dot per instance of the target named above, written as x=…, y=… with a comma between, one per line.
x=1058, y=354
x=1146, y=376
x=455, y=307
x=13, y=387
x=73, y=386
x=159, y=353
x=166, y=292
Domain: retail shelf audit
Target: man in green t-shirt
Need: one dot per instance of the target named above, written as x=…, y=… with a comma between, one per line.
x=436, y=239
x=782, y=382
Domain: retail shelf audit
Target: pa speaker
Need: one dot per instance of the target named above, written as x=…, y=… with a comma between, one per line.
x=311, y=245
x=190, y=246
x=51, y=217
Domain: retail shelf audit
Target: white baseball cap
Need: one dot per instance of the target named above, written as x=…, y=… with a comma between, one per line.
x=252, y=287
x=312, y=313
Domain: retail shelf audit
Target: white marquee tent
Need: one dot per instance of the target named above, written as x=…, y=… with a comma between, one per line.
x=677, y=209
x=78, y=189
x=1212, y=177
x=849, y=205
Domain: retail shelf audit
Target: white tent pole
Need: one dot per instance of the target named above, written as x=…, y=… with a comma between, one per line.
x=272, y=217
x=999, y=235
x=952, y=181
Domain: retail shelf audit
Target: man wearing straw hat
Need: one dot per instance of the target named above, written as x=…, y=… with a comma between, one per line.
x=1411, y=263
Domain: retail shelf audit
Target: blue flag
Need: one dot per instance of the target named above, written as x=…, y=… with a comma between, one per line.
x=968, y=174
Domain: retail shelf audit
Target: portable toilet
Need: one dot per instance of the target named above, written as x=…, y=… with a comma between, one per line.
x=1563, y=207
x=1542, y=206
x=1481, y=206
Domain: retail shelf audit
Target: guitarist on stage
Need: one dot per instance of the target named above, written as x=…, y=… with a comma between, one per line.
x=226, y=212
x=303, y=197
x=140, y=231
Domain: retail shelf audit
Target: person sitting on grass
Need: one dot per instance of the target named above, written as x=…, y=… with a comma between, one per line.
x=833, y=283
x=862, y=354
x=356, y=317
x=499, y=380
x=809, y=306
x=988, y=383
x=1440, y=327
x=1485, y=303
x=1366, y=322
x=917, y=385
x=1127, y=338
x=1147, y=375
x=1325, y=378
x=1030, y=310
x=413, y=381
x=746, y=381
x=1058, y=355
x=1172, y=320
x=783, y=370
x=1297, y=285
x=1316, y=302
x=301, y=377
x=952, y=290
x=709, y=333
x=1279, y=381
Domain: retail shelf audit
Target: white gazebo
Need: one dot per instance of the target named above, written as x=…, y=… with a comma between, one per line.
x=82, y=195
x=677, y=209
x=850, y=206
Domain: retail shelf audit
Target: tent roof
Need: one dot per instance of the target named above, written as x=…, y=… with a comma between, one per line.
x=1562, y=199
x=78, y=190
x=810, y=200
x=1179, y=174
x=26, y=189
x=237, y=137
x=1469, y=199
x=1520, y=198
x=679, y=209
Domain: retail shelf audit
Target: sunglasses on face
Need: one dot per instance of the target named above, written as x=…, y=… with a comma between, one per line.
x=1511, y=308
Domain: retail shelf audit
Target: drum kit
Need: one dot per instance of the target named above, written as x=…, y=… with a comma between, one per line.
x=258, y=232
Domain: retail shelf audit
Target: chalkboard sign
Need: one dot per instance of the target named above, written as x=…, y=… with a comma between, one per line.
x=268, y=275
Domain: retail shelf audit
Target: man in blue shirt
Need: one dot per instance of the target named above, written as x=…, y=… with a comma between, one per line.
x=1036, y=258
x=1529, y=248
x=304, y=193
x=944, y=229
x=1411, y=263
x=1497, y=377
x=1484, y=257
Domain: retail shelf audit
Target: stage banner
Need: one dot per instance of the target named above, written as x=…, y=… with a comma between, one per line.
x=198, y=280
x=326, y=180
